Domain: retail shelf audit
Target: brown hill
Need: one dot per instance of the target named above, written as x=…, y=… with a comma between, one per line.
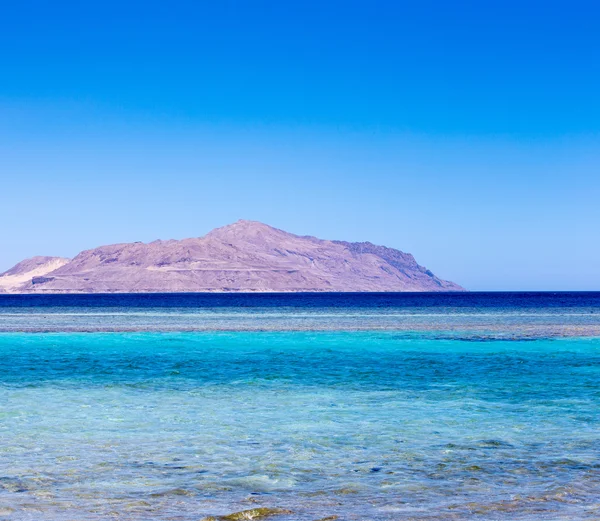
x=244, y=256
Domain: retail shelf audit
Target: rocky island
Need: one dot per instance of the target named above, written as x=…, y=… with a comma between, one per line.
x=246, y=256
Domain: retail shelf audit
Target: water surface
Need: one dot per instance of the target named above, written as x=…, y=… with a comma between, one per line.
x=477, y=412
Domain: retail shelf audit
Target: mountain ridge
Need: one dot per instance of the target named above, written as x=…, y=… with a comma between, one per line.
x=243, y=256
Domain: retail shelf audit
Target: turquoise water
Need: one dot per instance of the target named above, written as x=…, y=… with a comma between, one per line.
x=378, y=425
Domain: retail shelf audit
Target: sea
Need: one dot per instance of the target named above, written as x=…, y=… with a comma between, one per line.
x=447, y=406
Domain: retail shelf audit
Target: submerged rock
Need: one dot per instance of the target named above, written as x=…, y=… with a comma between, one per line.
x=173, y=492
x=253, y=513
x=345, y=491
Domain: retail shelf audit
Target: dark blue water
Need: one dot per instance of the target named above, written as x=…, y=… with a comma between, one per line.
x=479, y=315
x=564, y=299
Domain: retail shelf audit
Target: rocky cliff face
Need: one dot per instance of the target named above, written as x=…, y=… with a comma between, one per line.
x=244, y=256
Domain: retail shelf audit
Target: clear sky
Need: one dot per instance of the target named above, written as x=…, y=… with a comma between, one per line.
x=467, y=133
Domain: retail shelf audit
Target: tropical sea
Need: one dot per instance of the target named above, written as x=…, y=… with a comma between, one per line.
x=362, y=406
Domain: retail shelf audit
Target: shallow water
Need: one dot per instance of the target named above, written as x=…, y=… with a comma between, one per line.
x=378, y=407
x=363, y=425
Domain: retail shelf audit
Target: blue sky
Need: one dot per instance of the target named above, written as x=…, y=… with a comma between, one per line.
x=467, y=133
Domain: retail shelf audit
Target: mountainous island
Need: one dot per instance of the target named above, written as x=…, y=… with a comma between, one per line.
x=244, y=256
